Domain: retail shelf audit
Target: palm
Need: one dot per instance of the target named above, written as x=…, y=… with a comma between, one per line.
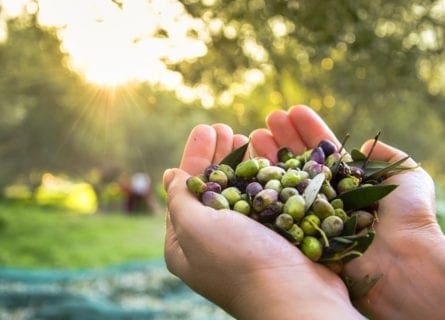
x=406, y=223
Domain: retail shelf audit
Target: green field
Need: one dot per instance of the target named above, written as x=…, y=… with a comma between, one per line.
x=32, y=236
x=39, y=237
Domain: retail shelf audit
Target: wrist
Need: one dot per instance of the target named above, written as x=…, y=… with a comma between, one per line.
x=283, y=294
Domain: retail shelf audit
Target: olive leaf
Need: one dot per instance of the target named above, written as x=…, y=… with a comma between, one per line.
x=312, y=189
x=371, y=167
x=350, y=226
x=376, y=165
x=346, y=248
x=337, y=246
x=362, y=244
x=236, y=156
x=343, y=240
x=364, y=196
x=380, y=173
x=359, y=289
x=281, y=231
x=341, y=254
x=357, y=155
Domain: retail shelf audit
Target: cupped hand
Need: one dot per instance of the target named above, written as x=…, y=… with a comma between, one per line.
x=249, y=270
x=408, y=248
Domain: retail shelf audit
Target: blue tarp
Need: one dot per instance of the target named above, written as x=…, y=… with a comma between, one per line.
x=139, y=290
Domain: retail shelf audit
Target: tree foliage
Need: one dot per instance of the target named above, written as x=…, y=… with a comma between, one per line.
x=51, y=120
x=36, y=89
x=363, y=65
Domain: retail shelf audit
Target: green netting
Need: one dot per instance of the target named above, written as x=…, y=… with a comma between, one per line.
x=142, y=290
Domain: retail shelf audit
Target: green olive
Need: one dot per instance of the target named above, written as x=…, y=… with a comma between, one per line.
x=247, y=169
x=312, y=248
x=232, y=194
x=297, y=233
x=284, y=221
x=242, y=206
x=294, y=206
x=309, y=224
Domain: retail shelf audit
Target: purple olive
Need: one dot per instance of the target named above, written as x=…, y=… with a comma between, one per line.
x=213, y=186
x=263, y=199
x=215, y=200
x=268, y=215
x=328, y=147
x=253, y=188
x=318, y=155
x=302, y=185
x=357, y=172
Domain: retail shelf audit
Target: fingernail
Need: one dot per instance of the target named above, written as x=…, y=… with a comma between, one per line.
x=168, y=177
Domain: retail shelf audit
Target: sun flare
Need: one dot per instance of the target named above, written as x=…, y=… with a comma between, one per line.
x=111, y=45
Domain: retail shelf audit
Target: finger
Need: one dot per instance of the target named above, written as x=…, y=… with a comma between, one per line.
x=199, y=149
x=385, y=152
x=264, y=144
x=224, y=141
x=416, y=183
x=239, y=140
x=310, y=127
x=284, y=132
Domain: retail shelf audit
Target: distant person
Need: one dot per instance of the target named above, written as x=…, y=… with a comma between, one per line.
x=139, y=195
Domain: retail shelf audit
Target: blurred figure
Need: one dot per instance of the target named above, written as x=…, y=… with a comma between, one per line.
x=138, y=193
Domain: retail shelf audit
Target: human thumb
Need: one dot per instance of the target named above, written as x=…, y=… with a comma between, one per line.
x=168, y=177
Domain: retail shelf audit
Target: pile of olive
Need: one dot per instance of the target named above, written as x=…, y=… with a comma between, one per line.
x=297, y=197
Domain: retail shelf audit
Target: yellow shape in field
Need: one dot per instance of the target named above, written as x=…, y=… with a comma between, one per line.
x=78, y=197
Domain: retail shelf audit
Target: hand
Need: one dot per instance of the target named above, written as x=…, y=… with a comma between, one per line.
x=247, y=269
x=408, y=248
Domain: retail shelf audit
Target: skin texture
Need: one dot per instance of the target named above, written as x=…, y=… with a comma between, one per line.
x=409, y=246
x=234, y=261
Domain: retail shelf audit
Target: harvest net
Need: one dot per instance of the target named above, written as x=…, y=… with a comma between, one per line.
x=142, y=290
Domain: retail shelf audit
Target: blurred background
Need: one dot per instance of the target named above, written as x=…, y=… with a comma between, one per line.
x=97, y=98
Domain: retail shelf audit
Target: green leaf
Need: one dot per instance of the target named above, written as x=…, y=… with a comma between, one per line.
x=362, y=244
x=350, y=226
x=386, y=170
x=236, y=156
x=357, y=155
x=340, y=249
x=336, y=247
x=341, y=255
x=375, y=165
x=344, y=240
x=311, y=191
x=359, y=289
x=364, y=196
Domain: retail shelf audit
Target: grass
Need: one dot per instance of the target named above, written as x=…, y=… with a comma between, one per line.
x=39, y=237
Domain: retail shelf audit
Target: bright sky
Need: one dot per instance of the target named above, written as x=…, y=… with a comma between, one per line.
x=111, y=46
